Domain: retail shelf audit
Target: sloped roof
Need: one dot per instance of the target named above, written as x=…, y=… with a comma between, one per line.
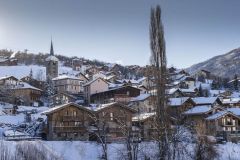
x=141, y=79
x=90, y=82
x=64, y=76
x=100, y=107
x=198, y=109
x=57, y=108
x=190, y=90
x=231, y=100
x=24, y=85
x=143, y=116
x=177, y=101
x=141, y=97
x=52, y=58
x=218, y=115
x=205, y=100
x=6, y=77
x=235, y=111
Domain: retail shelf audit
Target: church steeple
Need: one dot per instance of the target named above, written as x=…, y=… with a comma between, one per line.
x=51, y=49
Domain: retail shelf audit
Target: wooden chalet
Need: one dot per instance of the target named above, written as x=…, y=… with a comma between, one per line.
x=68, y=122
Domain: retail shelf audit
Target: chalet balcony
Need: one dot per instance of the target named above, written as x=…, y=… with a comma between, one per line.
x=228, y=124
x=72, y=118
x=69, y=129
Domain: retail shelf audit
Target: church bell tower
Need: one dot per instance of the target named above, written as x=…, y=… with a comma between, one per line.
x=51, y=64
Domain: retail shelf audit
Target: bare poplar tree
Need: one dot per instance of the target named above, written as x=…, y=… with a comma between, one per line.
x=101, y=132
x=159, y=63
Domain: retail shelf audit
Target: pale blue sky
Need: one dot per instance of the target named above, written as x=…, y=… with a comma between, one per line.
x=117, y=31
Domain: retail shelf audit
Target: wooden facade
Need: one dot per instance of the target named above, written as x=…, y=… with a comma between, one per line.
x=225, y=124
x=116, y=95
x=118, y=118
x=74, y=122
x=68, y=122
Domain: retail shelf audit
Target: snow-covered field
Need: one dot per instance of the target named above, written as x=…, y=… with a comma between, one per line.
x=78, y=150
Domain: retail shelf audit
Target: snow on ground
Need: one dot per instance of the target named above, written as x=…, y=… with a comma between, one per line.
x=39, y=72
x=23, y=70
x=79, y=150
x=12, y=119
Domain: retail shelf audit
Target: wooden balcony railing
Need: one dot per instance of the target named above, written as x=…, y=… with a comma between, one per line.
x=72, y=118
x=69, y=129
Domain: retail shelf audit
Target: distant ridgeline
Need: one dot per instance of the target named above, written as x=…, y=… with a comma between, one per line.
x=225, y=65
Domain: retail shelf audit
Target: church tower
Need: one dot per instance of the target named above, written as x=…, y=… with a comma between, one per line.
x=51, y=64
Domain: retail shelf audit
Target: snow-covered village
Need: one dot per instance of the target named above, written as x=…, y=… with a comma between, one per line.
x=159, y=105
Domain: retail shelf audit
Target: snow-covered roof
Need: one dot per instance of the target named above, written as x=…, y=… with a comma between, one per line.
x=13, y=55
x=235, y=94
x=97, y=108
x=204, y=100
x=113, y=85
x=64, y=76
x=30, y=108
x=172, y=90
x=109, y=77
x=230, y=100
x=12, y=133
x=141, y=79
x=206, y=86
x=180, y=77
x=54, y=109
x=190, y=90
x=234, y=111
x=6, y=77
x=90, y=82
x=141, y=97
x=133, y=81
x=199, y=109
x=218, y=115
x=52, y=58
x=216, y=92
x=3, y=59
x=177, y=101
x=142, y=116
x=24, y=85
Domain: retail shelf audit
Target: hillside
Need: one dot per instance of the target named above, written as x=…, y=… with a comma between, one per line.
x=226, y=65
x=38, y=59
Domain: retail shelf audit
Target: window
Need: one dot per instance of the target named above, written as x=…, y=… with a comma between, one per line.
x=74, y=113
x=111, y=116
x=149, y=109
x=77, y=123
x=61, y=124
x=75, y=134
x=229, y=121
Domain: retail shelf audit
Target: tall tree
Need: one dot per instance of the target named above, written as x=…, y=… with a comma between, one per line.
x=159, y=63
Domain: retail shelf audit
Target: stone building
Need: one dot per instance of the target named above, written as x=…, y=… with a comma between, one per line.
x=51, y=64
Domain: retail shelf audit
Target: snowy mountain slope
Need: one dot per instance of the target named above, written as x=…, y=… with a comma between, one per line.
x=39, y=72
x=226, y=65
